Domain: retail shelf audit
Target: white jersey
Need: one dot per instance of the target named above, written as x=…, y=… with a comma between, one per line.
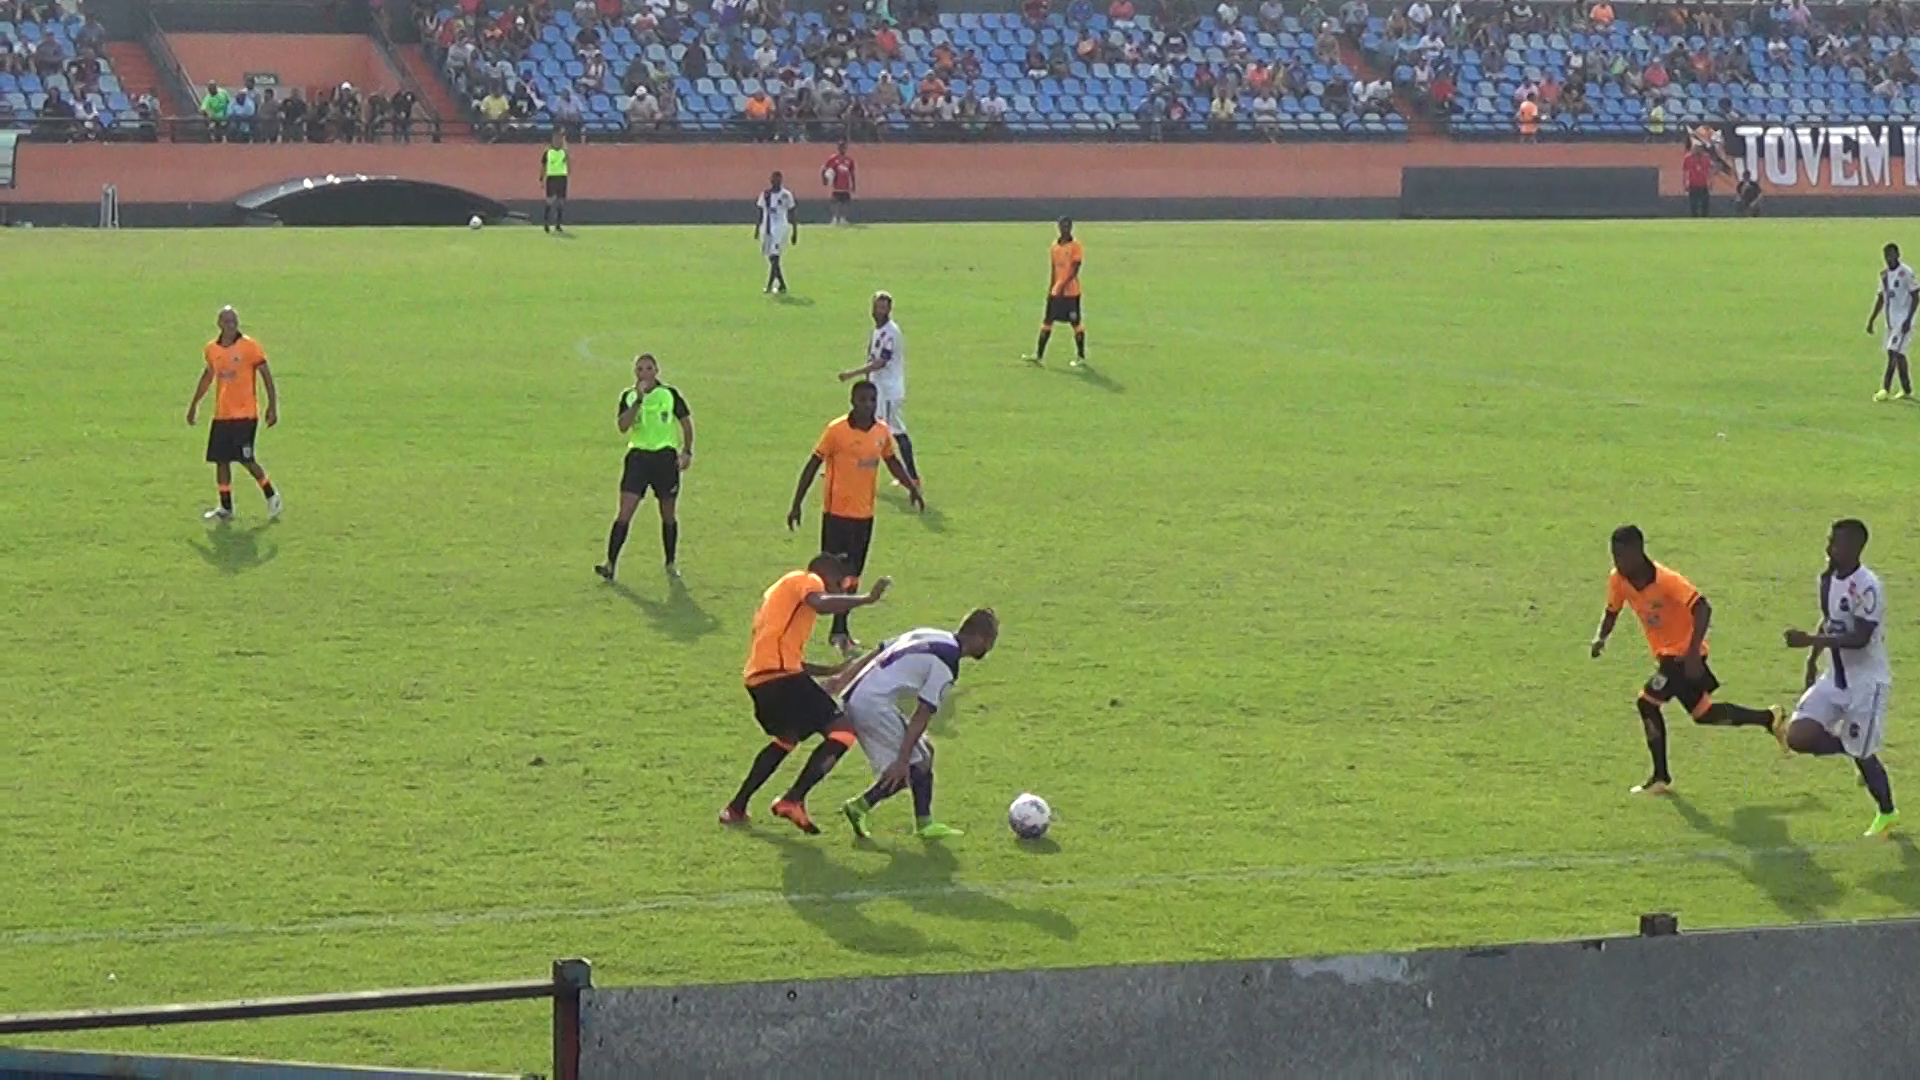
x=1897, y=288
x=1844, y=603
x=774, y=208
x=922, y=663
x=888, y=349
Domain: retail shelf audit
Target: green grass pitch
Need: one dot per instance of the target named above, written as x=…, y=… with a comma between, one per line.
x=1296, y=595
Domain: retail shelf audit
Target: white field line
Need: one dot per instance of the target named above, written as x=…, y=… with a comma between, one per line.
x=454, y=920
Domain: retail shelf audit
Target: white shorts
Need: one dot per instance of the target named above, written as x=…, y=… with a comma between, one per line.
x=773, y=246
x=892, y=412
x=1897, y=338
x=1857, y=716
x=881, y=728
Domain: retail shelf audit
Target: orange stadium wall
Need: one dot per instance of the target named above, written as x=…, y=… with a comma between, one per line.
x=902, y=176
x=303, y=60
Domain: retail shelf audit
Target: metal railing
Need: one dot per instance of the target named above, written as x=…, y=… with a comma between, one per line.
x=563, y=987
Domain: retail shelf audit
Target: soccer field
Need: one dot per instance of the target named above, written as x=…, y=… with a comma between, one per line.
x=1296, y=591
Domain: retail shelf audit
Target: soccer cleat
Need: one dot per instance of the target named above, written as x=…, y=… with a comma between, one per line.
x=275, y=505
x=1782, y=723
x=1077, y=362
x=1882, y=825
x=1032, y=359
x=857, y=812
x=933, y=830
x=796, y=813
x=673, y=571
x=1902, y=395
x=1882, y=395
x=218, y=513
x=1654, y=786
x=605, y=570
x=730, y=816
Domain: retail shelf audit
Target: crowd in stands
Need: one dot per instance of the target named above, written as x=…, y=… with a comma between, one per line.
x=55, y=81
x=267, y=114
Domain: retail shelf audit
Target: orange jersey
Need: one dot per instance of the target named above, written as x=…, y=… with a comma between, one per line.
x=782, y=626
x=234, y=369
x=1665, y=609
x=1065, y=282
x=852, y=461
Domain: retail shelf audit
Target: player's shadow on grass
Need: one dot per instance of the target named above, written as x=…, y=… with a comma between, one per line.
x=1784, y=870
x=932, y=519
x=1088, y=374
x=233, y=550
x=830, y=896
x=679, y=616
x=1902, y=886
x=791, y=300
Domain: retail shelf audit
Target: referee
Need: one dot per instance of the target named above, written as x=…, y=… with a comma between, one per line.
x=659, y=429
x=553, y=171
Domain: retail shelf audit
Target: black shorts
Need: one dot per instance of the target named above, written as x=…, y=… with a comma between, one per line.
x=655, y=469
x=792, y=708
x=1064, y=309
x=231, y=440
x=848, y=538
x=1670, y=683
x=843, y=196
x=556, y=187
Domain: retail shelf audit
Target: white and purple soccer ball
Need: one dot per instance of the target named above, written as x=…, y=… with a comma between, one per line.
x=1029, y=816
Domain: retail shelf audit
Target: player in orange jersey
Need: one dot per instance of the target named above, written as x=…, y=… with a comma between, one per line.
x=234, y=360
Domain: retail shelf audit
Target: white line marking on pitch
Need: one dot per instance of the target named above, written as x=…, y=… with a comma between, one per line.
x=426, y=921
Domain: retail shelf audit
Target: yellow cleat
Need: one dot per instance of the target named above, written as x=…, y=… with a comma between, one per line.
x=1782, y=723
x=1882, y=825
x=1882, y=395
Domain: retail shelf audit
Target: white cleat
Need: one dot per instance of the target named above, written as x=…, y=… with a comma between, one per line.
x=673, y=571
x=275, y=505
x=218, y=513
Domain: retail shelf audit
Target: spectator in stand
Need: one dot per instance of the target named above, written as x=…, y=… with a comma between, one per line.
x=766, y=61
x=593, y=74
x=1036, y=63
x=1431, y=45
x=643, y=111
x=213, y=109
x=1121, y=14
x=1233, y=42
x=993, y=110
x=1354, y=16
x=493, y=113
x=1087, y=49
x=240, y=113
x=884, y=46
x=91, y=35
x=970, y=65
x=570, y=116
x=56, y=116
x=1271, y=16
x=293, y=116
x=1601, y=15
x=693, y=64
x=757, y=116
x=1221, y=110
x=1655, y=76
x=922, y=113
x=1035, y=12
x=1266, y=114
x=1527, y=119
x=400, y=114
x=146, y=118
x=1326, y=46
x=87, y=123
x=886, y=96
x=83, y=73
x=638, y=73
x=349, y=113
x=1259, y=77
x=319, y=118
x=1227, y=14
x=1657, y=119
x=376, y=114
x=47, y=58
x=1419, y=14
x=1079, y=13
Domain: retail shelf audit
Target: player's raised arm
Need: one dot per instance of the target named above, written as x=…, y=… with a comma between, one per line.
x=1600, y=636
x=826, y=603
x=807, y=472
x=630, y=410
x=199, y=391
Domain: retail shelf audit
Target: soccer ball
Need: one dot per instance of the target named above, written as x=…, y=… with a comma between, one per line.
x=474, y=222
x=1029, y=816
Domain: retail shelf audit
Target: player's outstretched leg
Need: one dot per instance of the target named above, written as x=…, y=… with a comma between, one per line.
x=920, y=779
x=1874, y=775
x=1726, y=714
x=1655, y=726
x=765, y=764
x=793, y=805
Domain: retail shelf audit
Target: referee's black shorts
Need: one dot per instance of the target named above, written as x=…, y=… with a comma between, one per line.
x=794, y=708
x=848, y=538
x=556, y=187
x=655, y=470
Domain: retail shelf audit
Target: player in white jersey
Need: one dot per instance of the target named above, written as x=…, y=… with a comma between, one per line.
x=920, y=665
x=1844, y=710
x=775, y=229
x=886, y=367
x=1899, y=295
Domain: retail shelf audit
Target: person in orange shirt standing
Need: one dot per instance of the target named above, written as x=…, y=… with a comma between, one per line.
x=852, y=450
x=1675, y=617
x=234, y=360
x=789, y=705
x=1528, y=119
x=1063, y=295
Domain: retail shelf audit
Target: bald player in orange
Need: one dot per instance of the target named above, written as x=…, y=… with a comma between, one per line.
x=1063, y=295
x=1675, y=617
x=852, y=450
x=234, y=360
x=788, y=704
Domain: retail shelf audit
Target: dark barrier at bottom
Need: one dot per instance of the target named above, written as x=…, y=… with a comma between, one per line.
x=1828, y=1001
x=1529, y=193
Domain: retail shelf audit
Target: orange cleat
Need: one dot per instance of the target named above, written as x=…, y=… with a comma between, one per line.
x=796, y=813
